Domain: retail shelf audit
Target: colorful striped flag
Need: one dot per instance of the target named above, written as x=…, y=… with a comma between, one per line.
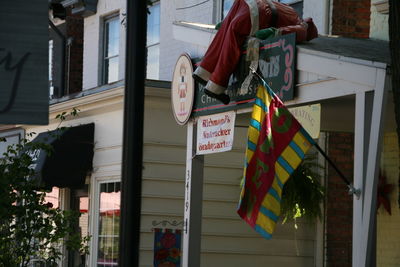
x=276, y=146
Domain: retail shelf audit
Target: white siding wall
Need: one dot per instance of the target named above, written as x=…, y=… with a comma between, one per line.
x=199, y=13
x=226, y=239
x=107, y=115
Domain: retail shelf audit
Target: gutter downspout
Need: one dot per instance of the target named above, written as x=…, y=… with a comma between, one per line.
x=328, y=16
x=63, y=38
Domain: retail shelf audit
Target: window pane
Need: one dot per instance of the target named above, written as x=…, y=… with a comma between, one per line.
x=112, y=37
x=111, y=70
x=226, y=7
x=11, y=139
x=153, y=25
x=50, y=60
x=84, y=218
x=153, y=40
x=53, y=197
x=153, y=55
x=109, y=214
x=111, y=50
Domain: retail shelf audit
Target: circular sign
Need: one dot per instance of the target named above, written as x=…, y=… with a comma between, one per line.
x=182, y=91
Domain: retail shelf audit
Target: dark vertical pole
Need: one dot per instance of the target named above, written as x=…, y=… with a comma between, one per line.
x=136, y=21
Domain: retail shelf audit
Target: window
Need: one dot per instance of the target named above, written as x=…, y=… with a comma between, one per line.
x=153, y=42
x=110, y=50
x=108, y=215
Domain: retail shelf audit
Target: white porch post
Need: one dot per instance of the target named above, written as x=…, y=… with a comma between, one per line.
x=361, y=138
x=368, y=130
x=193, y=201
x=372, y=169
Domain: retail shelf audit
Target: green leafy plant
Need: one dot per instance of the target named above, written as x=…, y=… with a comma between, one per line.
x=303, y=193
x=30, y=228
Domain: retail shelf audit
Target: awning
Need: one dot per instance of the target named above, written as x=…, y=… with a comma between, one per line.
x=70, y=160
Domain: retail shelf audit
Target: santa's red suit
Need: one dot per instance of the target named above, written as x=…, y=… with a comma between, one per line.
x=224, y=52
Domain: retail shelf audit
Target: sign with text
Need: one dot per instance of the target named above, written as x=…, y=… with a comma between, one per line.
x=309, y=117
x=24, y=75
x=276, y=65
x=215, y=133
x=182, y=89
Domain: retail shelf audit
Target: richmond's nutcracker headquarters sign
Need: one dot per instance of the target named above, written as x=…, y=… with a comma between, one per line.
x=215, y=133
x=24, y=75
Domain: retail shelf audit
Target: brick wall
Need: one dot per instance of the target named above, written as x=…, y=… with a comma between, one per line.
x=351, y=18
x=339, y=209
x=75, y=30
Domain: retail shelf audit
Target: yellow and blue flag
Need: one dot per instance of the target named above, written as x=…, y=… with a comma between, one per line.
x=276, y=145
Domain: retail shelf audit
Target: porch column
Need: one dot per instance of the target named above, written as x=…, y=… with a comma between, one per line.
x=368, y=131
x=193, y=201
x=362, y=127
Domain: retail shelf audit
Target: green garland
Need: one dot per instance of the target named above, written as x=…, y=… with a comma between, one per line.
x=303, y=193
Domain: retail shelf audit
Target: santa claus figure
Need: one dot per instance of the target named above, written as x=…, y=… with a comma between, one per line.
x=244, y=19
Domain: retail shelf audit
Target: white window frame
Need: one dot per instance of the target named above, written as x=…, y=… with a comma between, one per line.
x=94, y=205
x=103, y=79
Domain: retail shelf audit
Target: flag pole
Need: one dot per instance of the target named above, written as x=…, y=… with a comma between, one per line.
x=352, y=189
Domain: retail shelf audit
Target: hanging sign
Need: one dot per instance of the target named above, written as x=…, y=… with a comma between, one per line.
x=276, y=65
x=309, y=117
x=182, y=91
x=24, y=75
x=215, y=133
